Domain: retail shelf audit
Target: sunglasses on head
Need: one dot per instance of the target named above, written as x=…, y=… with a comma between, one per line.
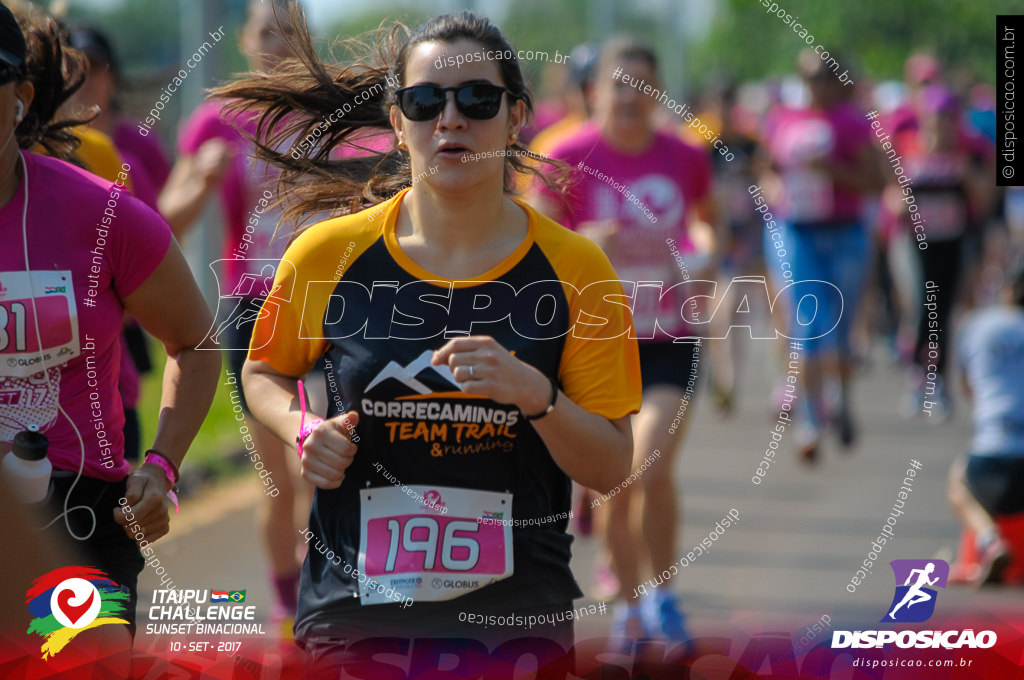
x=478, y=101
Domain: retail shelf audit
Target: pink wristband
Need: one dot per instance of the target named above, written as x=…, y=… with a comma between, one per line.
x=305, y=429
x=170, y=472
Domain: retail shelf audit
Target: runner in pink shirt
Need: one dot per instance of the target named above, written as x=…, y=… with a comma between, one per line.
x=217, y=161
x=823, y=166
x=79, y=252
x=642, y=195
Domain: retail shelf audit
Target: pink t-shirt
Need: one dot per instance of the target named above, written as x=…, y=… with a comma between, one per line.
x=797, y=138
x=90, y=244
x=246, y=183
x=652, y=196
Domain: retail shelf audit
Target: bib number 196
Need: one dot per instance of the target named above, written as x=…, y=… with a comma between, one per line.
x=427, y=529
x=413, y=549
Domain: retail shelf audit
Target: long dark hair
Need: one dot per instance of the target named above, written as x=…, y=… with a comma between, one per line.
x=292, y=102
x=56, y=72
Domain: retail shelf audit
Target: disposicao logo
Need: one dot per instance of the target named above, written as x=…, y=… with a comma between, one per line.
x=923, y=573
x=912, y=602
x=68, y=600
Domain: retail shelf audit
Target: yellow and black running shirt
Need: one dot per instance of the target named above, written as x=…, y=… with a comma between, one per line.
x=346, y=290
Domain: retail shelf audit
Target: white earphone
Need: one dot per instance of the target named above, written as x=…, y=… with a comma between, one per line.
x=19, y=112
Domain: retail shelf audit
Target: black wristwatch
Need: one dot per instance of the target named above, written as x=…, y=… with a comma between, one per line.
x=551, y=404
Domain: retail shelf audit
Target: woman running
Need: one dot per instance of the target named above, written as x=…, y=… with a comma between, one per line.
x=216, y=161
x=78, y=253
x=450, y=315
x=951, y=193
x=642, y=193
x=823, y=163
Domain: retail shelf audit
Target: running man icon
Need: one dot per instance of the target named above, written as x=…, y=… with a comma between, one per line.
x=245, y=296
x=919, y=574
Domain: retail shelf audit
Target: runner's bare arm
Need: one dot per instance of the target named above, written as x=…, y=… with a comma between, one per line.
x=169, y=305
x=274, y=400
x=193, y=181
x=591, y=449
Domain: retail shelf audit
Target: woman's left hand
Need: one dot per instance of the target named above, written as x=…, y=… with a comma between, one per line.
x=145, y=492
x=482, y=366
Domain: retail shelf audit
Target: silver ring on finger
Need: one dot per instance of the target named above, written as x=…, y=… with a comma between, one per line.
x=471, y=371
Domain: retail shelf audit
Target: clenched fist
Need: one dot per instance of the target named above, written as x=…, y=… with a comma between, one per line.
x=327, y=451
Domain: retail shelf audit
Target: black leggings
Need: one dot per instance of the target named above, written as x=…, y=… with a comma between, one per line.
x=941, y=264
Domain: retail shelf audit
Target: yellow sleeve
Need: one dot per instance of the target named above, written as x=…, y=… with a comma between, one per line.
x=288, y=334
x=600, y=365
x=98, y=154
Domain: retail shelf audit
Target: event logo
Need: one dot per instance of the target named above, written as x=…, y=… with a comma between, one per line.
x=68, y=600
x=432, y=501
x=914, y=601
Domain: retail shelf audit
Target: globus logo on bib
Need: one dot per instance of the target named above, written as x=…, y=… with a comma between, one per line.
x=451, y=583
x=913, y=578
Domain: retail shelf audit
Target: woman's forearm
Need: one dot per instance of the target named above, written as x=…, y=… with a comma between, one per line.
x=184, y=198
x=588, y=447
x=272, y=399
x=190, y=381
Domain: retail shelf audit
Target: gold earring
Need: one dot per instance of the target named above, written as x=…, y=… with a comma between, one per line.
x=402, y=146
x=515, y=138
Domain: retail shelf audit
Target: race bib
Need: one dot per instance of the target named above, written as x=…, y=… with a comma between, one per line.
x=429, y=543
x=20, y=353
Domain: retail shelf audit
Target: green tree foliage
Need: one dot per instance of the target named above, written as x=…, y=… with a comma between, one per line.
x=876, y=36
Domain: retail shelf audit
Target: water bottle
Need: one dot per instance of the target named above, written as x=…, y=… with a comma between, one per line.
x=27, y=467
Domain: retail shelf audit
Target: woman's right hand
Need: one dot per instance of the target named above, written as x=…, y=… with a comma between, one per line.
x=327, y=451
x=212, y=161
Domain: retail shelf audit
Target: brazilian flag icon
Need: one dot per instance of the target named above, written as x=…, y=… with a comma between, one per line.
x=237, y=596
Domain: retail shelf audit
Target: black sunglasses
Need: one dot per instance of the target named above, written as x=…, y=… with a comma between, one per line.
x=478, y=101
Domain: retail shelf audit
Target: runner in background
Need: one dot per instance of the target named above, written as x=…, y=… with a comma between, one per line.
x=217, y=160
x=52, y=222
x=108, y=141
x=989, y=481
x=514, y=413
x=951, y=191
x=671, y=181
x=149, y=162
x=576, y=95
x=741, y=244
x=822, y=166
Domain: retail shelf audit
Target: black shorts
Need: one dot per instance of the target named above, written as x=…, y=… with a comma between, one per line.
x=997, y=482
x=109, y=548
x=676, y=364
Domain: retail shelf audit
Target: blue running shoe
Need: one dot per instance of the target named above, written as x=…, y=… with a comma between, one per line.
x=664, y=618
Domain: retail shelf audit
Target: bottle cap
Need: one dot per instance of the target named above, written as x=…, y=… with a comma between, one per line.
x=30, y=444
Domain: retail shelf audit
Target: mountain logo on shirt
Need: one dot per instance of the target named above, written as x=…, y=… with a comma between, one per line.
x=407, y=375
x=446, y=421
